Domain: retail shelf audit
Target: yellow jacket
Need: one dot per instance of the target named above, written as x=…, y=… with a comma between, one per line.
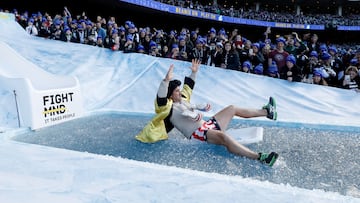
x=155, y=130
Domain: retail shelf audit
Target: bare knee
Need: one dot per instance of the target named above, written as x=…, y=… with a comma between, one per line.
x=217, y=137
x=231, y=108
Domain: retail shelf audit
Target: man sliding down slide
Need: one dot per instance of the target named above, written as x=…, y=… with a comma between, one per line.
x=173, y=109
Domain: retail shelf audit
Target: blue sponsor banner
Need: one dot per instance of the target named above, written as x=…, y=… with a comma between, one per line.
x=348, y=28
x=211, y=16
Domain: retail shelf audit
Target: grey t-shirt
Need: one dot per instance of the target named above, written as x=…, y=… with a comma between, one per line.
x=183, y=118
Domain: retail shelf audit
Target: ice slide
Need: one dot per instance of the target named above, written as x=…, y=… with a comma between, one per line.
x=42, y=99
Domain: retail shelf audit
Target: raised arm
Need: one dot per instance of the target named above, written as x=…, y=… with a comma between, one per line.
x=163, y=88
x=169, y=74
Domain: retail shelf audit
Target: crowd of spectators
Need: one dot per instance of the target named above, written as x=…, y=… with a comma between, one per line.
x=269, y=16
x=290, y=57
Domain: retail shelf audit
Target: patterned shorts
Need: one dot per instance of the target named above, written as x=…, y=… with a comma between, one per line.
x=200, y=133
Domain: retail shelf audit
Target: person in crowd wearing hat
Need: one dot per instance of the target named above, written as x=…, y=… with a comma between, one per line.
x=259, y=69
x=294, y=45
x=328, y=66
x=184, y=47
x=351, y=79
x=256, y=56
x=31, y=29
x=199, y=51
x=140, y=49
x=230, y=57
x=174, y=110
x=67, y=35
x=130, y=46
x=311, y=63
x=44, y=29
x=174, y=53
x=216, y=55
x=318, y=78
x=279, y=55
x=246, y=51
x=291, y=71
x=100, y=41
x=272, y=71
x=212, y=37
x=337, y=65
x=56, y=30
x=246, y=67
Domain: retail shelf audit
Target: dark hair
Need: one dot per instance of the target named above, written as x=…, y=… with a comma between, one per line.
x=173, y=84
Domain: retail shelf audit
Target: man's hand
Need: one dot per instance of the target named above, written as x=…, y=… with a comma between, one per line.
x=202, y=107
x=195, y=116
x=195, y=63
x=169, y=74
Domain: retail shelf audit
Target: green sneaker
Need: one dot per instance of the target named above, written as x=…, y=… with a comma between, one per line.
x=271, y=109
x=268, y=159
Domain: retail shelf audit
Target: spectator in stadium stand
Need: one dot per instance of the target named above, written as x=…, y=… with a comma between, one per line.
x=312, y=63
x=259, y=69
x=212, y=37
x=37, y=19
x=291, y=71
x=99, y=42
x=294, y=45
x=230, y=57
x=171, y=38
x=272, y=71
x=56, y=30
x=140, y=49
x=326, y=63
x=357, y=56
x=174, y=52
x=108, y=38
x=122, y=35
x=23, y=19
x=222, y=37
x=91, y=33
x=146, y=43
x=130, y=46
x=246, y=51
x=67, y=36
x=100, y=30
x=31, y=28
x=351, y=79
x=133, y=31
x=165, y=50
x=256, y=56
x=193, y=37
x=236, y=38
x=44, y=30
x=337, y=65
x=246, y=67
x=216, y=55
x=313, y=44
x=279, y=55
x=114, y=42
x=317, y=78
x=184, y=48
x=199, y=51
x=154, y=50
x=159, y=39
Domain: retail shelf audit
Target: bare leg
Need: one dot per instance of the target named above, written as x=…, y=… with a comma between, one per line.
x=220, y=138
x=224, y=116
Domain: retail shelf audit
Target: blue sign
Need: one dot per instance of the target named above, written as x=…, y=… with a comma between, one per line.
x=227, y=19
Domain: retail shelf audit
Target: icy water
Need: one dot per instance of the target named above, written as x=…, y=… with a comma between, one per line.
x=310, y=157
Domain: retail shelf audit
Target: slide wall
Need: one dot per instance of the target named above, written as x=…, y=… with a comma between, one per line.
x=42, y=99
